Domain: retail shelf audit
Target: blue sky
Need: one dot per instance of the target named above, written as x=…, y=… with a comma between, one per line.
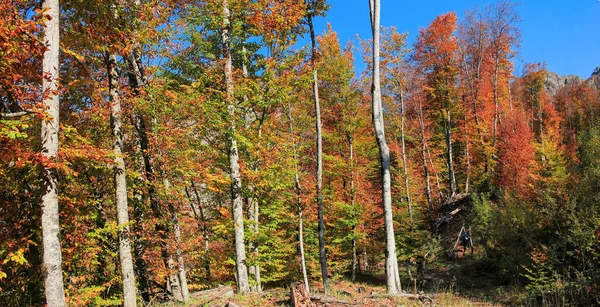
x=563, y=33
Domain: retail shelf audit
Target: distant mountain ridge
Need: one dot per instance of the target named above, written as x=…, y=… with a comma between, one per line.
x=555, y=82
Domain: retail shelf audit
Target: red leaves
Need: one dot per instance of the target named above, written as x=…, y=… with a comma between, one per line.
x=515, y=155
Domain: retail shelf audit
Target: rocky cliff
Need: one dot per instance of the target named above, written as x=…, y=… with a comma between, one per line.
x=554, y=82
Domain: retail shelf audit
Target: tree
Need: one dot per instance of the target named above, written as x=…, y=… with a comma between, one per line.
x=120, y=184
x=436, y=56
x=391, y=262
x=314, y=8
x=236, y=182
x=55, y=293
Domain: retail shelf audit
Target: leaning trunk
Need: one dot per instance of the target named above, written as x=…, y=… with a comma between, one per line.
x=55, y=292
x=405, y=167
x=391, y=261
x=424, y=157
x=298, y=202
x=125, y=258
x=322, y=252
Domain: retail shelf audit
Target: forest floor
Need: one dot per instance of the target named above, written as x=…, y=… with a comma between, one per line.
x=342, y=293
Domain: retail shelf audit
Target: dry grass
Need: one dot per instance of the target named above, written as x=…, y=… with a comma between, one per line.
x=353, y=294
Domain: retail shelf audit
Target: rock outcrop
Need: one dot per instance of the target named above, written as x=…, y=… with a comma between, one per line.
x=594, y=80
x=554, y=82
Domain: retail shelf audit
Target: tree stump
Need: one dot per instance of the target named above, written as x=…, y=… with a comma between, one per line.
x=300, y=297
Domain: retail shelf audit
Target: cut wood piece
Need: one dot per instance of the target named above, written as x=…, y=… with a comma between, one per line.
x=455, y=211
x=300, y=297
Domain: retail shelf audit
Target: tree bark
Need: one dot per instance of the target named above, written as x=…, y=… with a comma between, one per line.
x=352, y=198
x=236, y=181
x=183, y=293
x=319, y=187
x=404, y=160
x=298, y=201
x=424, y=157
x=55, y=293
x=391, y=261
x=125, y=258
x=201, y=216
x=449, y=155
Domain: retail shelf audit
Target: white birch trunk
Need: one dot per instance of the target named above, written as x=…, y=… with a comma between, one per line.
x=53, y=282
x=391, y=261
x=236, y=181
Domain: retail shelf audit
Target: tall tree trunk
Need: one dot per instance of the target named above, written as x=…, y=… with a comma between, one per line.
x=391, y=261
x=183, y=293
x=449, y=155
x=138, y=80
x=468, y=158
x=424, y=157
x=201, y=216
x=236, y=181
x=55, y=292
x=496, y=108
x=352, y=198
x=435, y=172
x=322, y=252
x=125, y=258
x=404, y=161
x=139, y=244
x=298, y=201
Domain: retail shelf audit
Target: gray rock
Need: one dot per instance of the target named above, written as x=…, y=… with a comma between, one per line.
x=554, y=82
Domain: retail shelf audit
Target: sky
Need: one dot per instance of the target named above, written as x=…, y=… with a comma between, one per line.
x=565, y=34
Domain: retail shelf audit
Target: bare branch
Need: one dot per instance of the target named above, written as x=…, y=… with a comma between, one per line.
x=16, y=114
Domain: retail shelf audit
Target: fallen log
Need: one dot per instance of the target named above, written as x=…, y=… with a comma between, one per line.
x=419, y=297
x=207, y=296
x=329, y=300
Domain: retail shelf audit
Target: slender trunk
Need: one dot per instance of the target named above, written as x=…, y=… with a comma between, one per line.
x=510, y=102
x=55, y=292
x=253, y=215
x=181, y=264
x=435, y=172
x=180, y=278
x=495, y=100
x=451, y=177
x=125, y=257
x=299, y=201
x=234, y=166
x=201, y=217
x=322, y=252
x=540, y=119
x=137, y=81
x=468, y=158
x=424, y=157
x=391, y=261
x=404, y=159
x=139, y=245
x=352, y=198
x=253, y=210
